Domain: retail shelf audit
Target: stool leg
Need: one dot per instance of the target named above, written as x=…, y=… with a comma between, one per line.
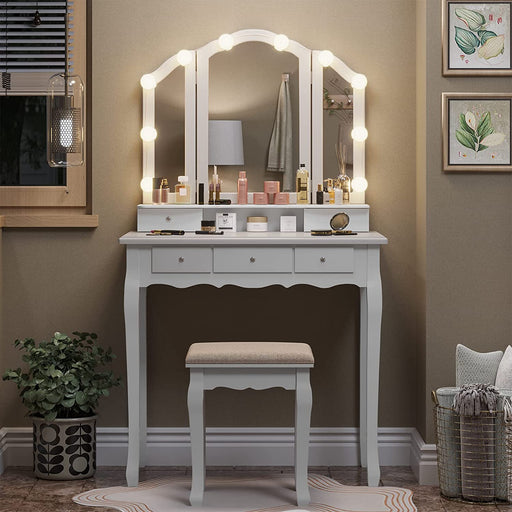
x=303, y=404
x=195, y=403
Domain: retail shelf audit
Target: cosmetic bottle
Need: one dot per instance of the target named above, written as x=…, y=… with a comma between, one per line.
x=200, y=193
x=343, y=182
x=330, y=190
x=156, y=197
x=164, y=194
x=302, y=186
x=211, y=189
x=182, y=190
x=319, y=195
x=242, y=187
x=217, y=192
x=338, y=195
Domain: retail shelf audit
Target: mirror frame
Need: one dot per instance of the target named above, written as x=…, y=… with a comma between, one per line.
x=196, y=64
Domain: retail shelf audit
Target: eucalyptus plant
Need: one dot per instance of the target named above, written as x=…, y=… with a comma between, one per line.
x=65, y=377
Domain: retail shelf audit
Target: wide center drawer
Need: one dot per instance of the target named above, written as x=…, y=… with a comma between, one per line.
x=324, y=259
x=183, y=260
x=254, y=259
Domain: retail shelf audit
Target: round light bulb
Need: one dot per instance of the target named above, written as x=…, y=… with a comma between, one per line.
x=359, y=184
x=146, y=184
x=325, y=58
x=359, y=134
x=184, y=57
x=148, y=81
x=281, y=42
x=359, y=81
x=148, y=133
x=226, y=41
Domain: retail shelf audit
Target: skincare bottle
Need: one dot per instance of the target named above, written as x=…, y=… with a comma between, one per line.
x=211, y=188
x=330, y=190
x=338, y=195
x=302, y=186
x=182, y=190
x=164, y=191
x=242, y=187
x=319, y=195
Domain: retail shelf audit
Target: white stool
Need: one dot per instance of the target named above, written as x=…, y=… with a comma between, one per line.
x=256, y=365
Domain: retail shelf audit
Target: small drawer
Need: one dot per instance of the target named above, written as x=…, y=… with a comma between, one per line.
x=161, y=217
x=253, y=260
x=324, y=259
x=181, y=260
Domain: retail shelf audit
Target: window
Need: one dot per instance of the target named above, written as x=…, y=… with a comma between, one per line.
x=30, y=53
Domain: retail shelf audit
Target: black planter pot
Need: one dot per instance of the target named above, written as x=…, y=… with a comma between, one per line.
x=64, y=449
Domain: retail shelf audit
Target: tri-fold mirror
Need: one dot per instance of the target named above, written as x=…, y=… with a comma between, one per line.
x=240, y=77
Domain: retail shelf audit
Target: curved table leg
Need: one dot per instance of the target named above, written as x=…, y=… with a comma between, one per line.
x=371, y=310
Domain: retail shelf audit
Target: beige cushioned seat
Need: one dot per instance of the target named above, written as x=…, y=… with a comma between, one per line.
x=254, y=352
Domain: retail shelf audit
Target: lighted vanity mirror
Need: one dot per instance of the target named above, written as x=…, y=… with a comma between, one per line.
x=202, y=102
x=244, y=84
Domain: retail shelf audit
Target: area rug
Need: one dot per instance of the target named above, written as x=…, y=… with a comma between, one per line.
x=245, y=494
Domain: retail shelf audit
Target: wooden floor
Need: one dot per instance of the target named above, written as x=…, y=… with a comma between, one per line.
x=21, y=492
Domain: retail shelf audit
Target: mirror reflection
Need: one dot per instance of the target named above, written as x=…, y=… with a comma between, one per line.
x=244, y=85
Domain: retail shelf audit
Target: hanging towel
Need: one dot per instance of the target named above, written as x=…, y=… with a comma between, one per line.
x=280, y=149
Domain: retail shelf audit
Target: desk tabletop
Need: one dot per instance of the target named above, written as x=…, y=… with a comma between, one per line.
x=268, y=238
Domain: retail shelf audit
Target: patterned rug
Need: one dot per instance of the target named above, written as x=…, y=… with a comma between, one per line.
x=244, y=494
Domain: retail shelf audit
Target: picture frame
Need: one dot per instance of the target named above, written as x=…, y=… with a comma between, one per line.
x=476, y=37
x=477, y=132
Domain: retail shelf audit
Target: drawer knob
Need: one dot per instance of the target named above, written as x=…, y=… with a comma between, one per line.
x=322, y=259
x=168, y=219
x=181, y=259
x=252, y=259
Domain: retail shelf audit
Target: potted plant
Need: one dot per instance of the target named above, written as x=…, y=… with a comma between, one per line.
x=61, y=388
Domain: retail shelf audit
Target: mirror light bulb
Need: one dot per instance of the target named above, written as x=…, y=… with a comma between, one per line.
x=184, y=57
x=226, y=41
x=359, y=184
x=325, y=58
x=146, y=184
x=148, y=133
x=148, y=81
x=359, y=133
x=359, y=81
x=281, y=42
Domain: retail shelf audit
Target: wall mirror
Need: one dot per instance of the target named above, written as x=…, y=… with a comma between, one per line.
x=219, y=80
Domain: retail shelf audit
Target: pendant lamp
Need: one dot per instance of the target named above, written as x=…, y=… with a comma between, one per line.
x=65, y=115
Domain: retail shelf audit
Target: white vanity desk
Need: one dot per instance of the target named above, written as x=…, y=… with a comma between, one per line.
x=252, y=260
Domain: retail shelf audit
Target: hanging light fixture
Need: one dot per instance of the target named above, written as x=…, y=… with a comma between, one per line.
x=65, y=114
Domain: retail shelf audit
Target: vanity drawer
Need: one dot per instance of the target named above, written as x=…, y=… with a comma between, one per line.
x=324, y=259
x=182, y=260
x=252, y=260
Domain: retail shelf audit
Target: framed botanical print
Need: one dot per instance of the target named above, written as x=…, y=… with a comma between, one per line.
x=476, y=37
x=477, y=132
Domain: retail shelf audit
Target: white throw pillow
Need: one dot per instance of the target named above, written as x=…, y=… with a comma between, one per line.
x=476, y=367
x=504, y=375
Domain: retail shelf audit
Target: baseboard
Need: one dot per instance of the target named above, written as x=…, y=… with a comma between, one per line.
x=423, y=460
x=239, y=447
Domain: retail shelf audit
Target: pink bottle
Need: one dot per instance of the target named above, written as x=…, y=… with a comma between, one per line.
x=242, y=187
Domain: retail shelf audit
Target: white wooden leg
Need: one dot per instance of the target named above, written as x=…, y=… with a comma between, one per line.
x=143, y=413
x=374, y=312
x=133, y=314
x=303, y=404
x=363, y=364
x=196, y=420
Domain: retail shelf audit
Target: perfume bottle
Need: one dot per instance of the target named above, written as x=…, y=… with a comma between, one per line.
x=242, y=187
x=182, y=190
x=330, y=190
x=320, y=195
x=302, y=185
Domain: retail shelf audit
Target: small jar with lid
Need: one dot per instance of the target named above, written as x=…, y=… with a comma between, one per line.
x=255, y=224
x=182, y=190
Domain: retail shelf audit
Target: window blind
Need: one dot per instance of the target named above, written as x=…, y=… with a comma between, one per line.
x=32, y=53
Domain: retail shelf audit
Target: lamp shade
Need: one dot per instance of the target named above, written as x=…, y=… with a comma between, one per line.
x=225, y=144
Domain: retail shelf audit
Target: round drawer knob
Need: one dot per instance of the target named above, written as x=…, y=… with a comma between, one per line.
x=168, y=219
x=181, y=259
x=322, y=259
x=252, y=259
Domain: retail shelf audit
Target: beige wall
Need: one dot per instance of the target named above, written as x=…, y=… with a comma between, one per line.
x=469, y=238
x=73, y=279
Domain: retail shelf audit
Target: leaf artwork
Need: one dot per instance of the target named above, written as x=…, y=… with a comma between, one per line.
x=475, y=35
x=477, y=134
